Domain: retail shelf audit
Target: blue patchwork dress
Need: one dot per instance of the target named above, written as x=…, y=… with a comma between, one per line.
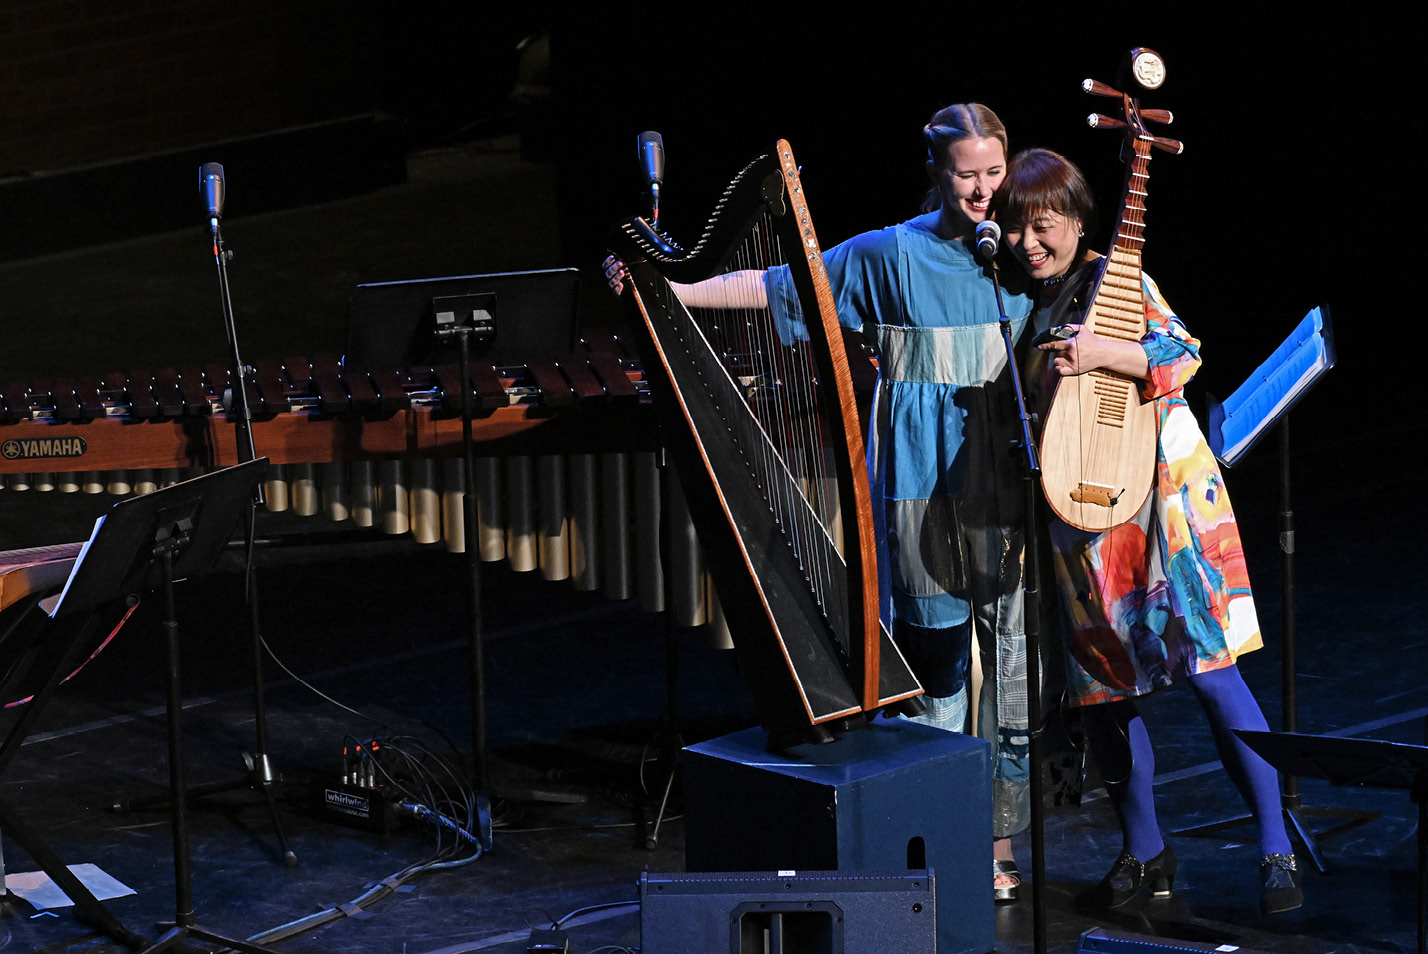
x=940, y=461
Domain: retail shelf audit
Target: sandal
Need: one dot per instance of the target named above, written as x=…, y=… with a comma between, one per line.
x=1005, y=869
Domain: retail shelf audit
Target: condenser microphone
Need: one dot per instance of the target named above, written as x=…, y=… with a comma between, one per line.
x=651, y=150
x=210, y=176
x=989, y=234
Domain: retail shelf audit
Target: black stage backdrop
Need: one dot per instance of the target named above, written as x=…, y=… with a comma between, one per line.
x=1293, y=167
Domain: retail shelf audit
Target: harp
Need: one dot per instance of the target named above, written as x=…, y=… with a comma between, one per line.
x=763, y=430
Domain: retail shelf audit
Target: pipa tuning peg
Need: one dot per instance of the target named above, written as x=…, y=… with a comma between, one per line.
x=1174, y=146
x=1096, y=88
x=1098, y=121
x=1162, y=116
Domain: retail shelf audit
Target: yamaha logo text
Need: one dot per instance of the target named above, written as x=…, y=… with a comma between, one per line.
x=34, y=448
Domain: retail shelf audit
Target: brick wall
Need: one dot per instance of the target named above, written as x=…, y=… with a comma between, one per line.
x=84, y=81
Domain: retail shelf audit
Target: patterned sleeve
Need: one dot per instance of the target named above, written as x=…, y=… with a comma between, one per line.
x=1174, y=355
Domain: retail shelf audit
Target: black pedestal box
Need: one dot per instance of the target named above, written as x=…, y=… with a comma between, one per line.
x=805, y=912
x=895, y=796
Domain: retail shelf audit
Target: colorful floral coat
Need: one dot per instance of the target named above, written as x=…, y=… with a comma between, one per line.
x=1165, y=595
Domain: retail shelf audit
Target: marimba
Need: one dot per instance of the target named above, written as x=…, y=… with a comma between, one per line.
x=567, y=474
x=33, y=569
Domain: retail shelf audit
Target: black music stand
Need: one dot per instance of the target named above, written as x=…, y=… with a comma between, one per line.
x=7, y=897
x=1236, y=425
x=41, y=653
x=501, y=317
x=524, y=315
x=150, y=542
x=1364, y=762
x=466, y=324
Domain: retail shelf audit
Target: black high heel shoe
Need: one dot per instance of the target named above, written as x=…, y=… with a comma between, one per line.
x=1279, y=880
x=1125, y=879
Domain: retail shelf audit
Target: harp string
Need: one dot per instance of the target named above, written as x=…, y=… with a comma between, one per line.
x=783, y=433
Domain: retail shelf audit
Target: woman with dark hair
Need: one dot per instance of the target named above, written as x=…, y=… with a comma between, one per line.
x=1164, y=597
x=947, y=494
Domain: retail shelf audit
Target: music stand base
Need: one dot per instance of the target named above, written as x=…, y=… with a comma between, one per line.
x=178, y=934
x=1295, y=820
x=255, y=780
x=88, y=910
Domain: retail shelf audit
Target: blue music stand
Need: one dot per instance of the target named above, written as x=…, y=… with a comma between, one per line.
x=1238, y=422
x=1235, y=426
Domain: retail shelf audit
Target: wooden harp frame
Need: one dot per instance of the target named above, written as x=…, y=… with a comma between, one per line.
x=826, y=660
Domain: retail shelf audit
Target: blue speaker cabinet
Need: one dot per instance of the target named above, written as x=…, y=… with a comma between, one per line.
x=895, y=796
x=804, y=912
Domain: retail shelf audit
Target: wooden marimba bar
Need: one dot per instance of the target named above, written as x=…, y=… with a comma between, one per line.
x=567, y=480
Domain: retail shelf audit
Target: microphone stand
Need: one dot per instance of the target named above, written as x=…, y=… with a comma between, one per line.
x=1031, y=615
x=260, y=769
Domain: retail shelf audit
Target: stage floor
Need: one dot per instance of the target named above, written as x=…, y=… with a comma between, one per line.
x=577, y=744
x=579, y=739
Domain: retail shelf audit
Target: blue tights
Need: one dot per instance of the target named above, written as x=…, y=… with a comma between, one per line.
x=1118, y=740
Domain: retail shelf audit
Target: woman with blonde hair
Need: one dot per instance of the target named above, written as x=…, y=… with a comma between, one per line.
x=947, y=497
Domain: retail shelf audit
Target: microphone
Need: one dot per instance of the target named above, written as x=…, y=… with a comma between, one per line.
x=651, y=152
x=210, y=176
x=989, y=234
